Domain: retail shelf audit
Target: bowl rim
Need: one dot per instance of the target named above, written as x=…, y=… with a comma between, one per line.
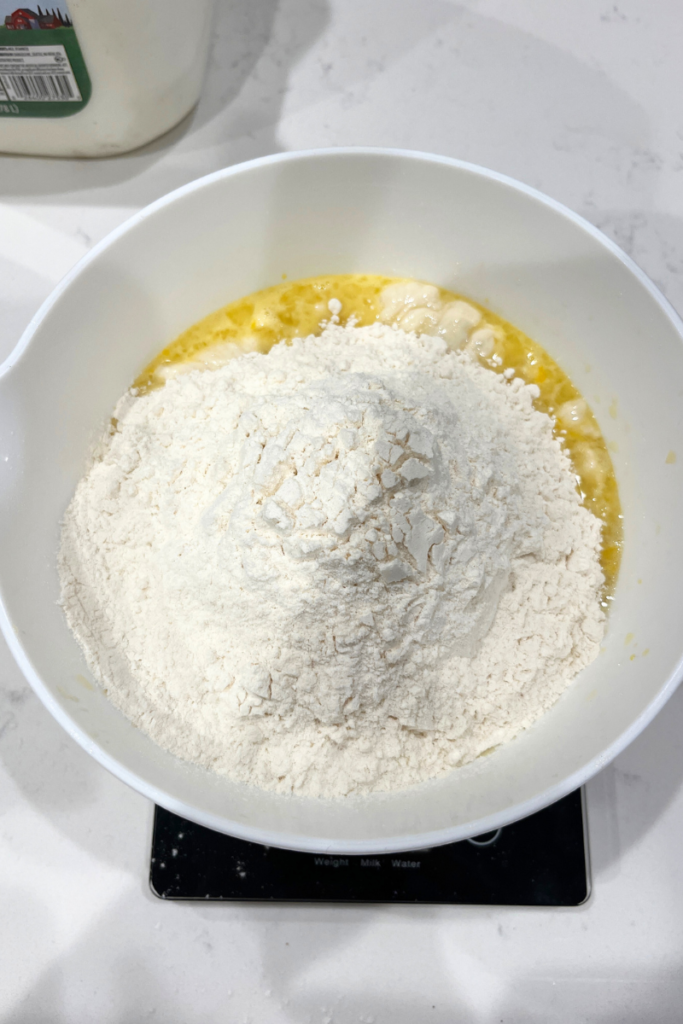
x=293, y=841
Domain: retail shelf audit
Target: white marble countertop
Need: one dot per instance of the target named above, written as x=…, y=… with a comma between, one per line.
x=581, y=100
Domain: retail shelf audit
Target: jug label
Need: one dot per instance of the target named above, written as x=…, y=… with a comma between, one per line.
x=42, y=71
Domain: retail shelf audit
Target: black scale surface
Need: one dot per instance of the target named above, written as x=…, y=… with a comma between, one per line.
x=539, y=861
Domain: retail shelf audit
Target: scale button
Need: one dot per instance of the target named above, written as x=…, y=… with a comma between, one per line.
x=486, y=838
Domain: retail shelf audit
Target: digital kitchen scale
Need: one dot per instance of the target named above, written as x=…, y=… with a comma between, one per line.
x=540, y=861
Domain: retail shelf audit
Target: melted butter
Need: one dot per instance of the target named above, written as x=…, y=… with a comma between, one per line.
x=295, y=309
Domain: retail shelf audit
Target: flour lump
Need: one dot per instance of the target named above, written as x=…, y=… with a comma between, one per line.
x=346, y=566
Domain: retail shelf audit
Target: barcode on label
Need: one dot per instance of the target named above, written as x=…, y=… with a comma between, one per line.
x=37, y=74
x=32, y=87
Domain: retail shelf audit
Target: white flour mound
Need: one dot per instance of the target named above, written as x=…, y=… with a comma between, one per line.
x=348, y=565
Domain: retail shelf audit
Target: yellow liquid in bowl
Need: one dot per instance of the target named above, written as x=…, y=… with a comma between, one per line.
x=295, y=309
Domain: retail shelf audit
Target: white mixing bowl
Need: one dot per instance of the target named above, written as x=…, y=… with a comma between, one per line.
x=329, y=212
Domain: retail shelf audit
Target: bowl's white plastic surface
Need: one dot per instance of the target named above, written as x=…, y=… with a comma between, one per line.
x=383, y=212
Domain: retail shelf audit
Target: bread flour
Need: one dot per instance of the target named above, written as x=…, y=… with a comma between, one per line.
x=349, y=565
